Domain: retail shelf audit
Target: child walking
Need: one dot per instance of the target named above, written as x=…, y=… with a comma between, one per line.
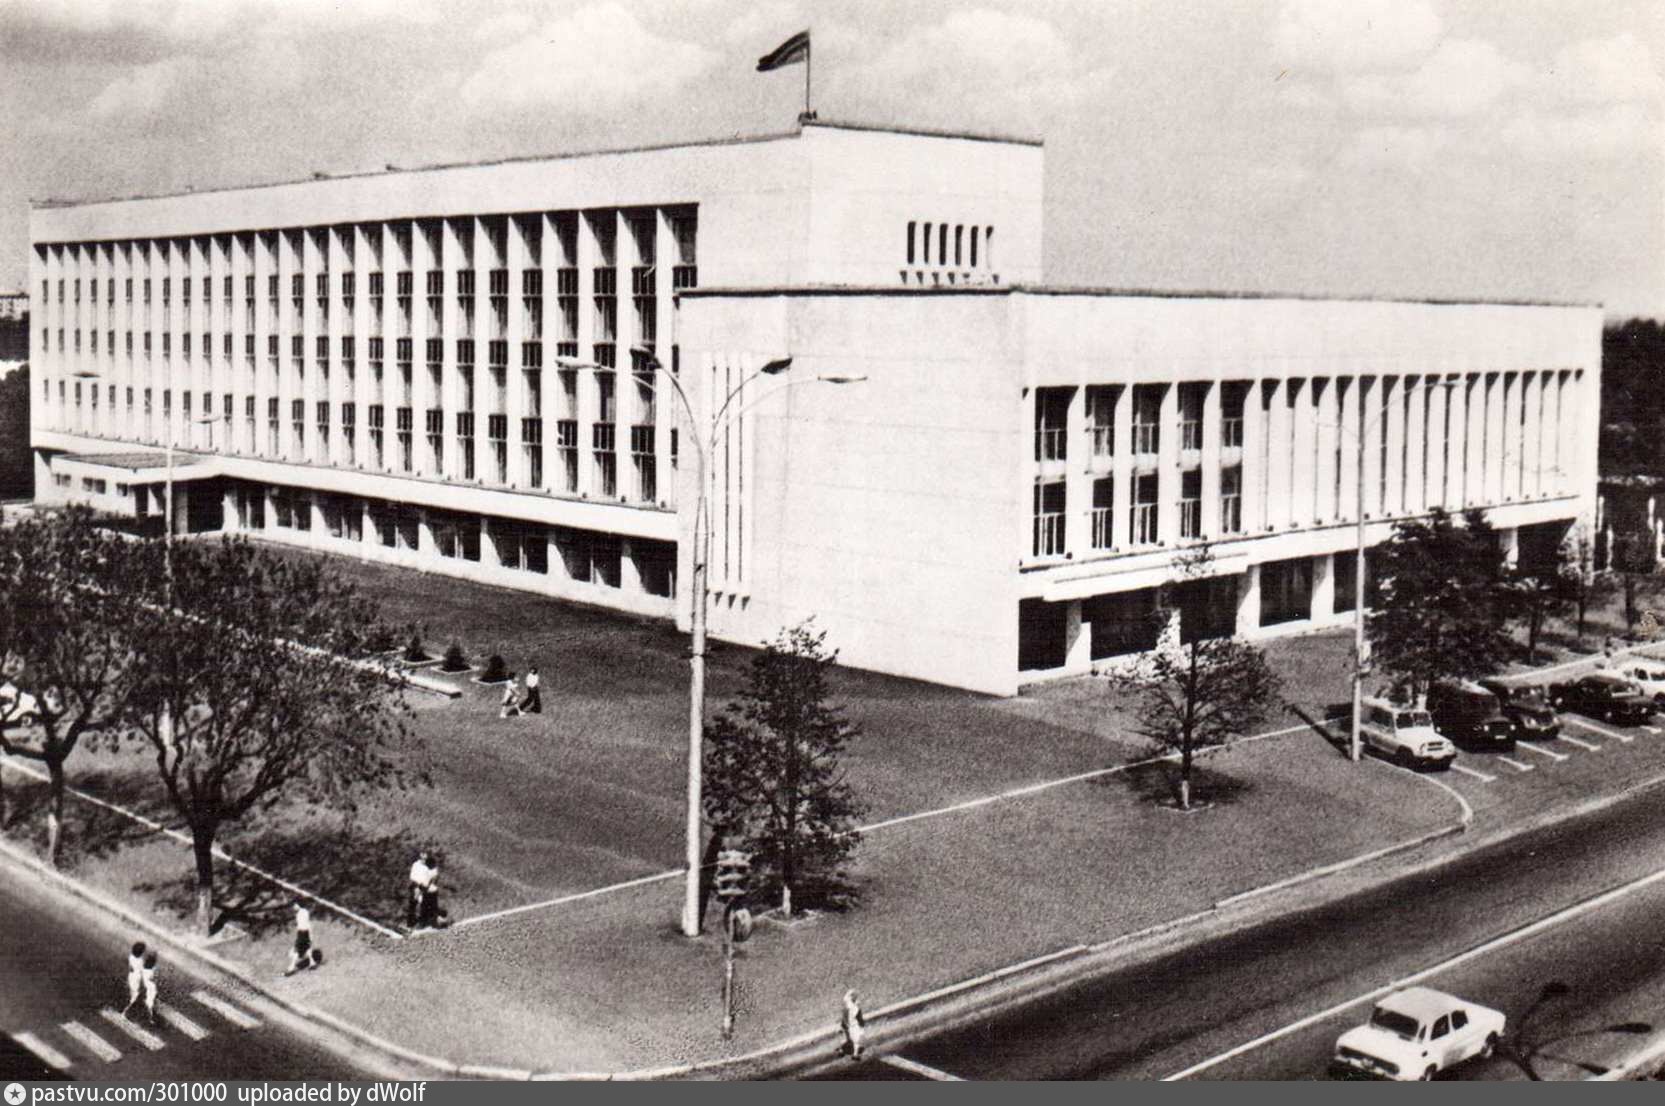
x=135, y=975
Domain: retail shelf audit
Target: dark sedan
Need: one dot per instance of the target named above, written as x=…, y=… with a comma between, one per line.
x=1527, y=706
x=1604, y=695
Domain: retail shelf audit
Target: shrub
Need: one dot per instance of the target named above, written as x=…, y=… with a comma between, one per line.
x=496, y=670
x=380, y=640
x=455, y=661
x=414, y=652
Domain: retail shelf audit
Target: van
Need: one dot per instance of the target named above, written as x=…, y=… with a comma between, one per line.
x=1471, y=716
x=1404, y=735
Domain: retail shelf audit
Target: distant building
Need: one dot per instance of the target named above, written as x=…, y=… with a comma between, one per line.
x=14, y=330
x=994, y=500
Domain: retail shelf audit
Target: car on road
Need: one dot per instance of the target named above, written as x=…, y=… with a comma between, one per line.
x=1416, y=1034
x=1648, y=676
x=1470, y=716
x=17, y=708
x=1405, y=735
x=1604, y=695
x=1527, y=705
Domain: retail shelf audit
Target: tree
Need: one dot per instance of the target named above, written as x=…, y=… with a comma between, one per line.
x=1198, y=694
x=17, y=459
x=1444, y=607
x=1634, y=563
x=251, y=691
x=67, y=607
x=1585, y=585
x=774, y=774
x=1537, y=594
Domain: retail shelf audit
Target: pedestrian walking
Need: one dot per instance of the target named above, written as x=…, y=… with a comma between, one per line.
x=135, y=974
x=853, y=1024
x=533, y=703
x=511, y=698
x=149, y=981
x=421, y=873
x=303, y=955
x=430, y=915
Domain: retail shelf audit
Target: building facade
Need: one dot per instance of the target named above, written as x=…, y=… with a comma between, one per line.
x=966, y=476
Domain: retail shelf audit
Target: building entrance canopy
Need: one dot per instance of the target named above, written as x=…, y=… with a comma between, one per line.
x=143, y=466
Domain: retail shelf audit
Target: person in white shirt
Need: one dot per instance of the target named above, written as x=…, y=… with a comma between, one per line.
x=303, y=955
x=511, y=699
x=533, y=703
x=148, y=974
x=135, y=974
x=421, y=874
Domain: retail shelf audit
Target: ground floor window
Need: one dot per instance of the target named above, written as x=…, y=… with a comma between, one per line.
x=573, y=546
x=1042, y=629
x=1122, y=623
x=606, y=553
x=1207, y=608
x=656, y=565
x=1285, y=591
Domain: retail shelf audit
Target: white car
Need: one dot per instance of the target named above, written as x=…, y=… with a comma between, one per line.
x=17, y=708
x=1415, y=1034
x=1405, y=735
x=1648, y=676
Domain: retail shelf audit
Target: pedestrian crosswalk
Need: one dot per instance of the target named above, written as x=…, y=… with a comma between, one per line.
x=105, y=1035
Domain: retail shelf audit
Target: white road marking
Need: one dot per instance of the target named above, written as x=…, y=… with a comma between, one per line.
x=1540, y=750
x=92, y=1042
x=1481, y=776
x=1571, y=740
x=50, y=1056
x=185, y=838
x=575, y=897
x=914, y=1067
x=225, y=1010
x=1603, y=730
x=1514, y=936
x=143, y=1036
x=180, y=1022
x=1515, y=764
x=1653, y=729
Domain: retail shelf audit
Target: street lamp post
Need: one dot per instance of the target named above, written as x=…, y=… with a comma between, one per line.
x=1355, y=749
x=699, y=592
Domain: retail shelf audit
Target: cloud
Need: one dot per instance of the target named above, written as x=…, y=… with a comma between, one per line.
x=1461, y=77
x=142, y=91
x=1022, y=67
x=598, y=54
x=1619, y=69
x=1399, y=146
x=1354, y=36
x=1614, y=131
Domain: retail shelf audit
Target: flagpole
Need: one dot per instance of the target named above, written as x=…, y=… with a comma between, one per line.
x=809, y=56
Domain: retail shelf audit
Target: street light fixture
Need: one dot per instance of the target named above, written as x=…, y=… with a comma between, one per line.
x=699, y=595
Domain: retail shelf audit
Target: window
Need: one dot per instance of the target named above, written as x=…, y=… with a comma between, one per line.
x=93, y=485
x=322, y=418
x=1233, y=397
x=1190, y=504
x=1104, y=506
x=1285, y=591
x=1101, y=419
x=374, y=416
x=1145, y=515
x=566, y=447
x=1051, y=413
x=1191, y=398
x=1231, y=500
x=685, y=272
x=349, y=418
x=643, y=458
x=402, y=426
x=602, y=438
x=434, y=427
x=297, y=421
x=912, y=228
x=1049, y=519
x=272, y=428
x=1147, y=418
x=465, y=443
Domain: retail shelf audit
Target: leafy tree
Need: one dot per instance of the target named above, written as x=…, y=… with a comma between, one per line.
x=249, y=693
x=1634, y=563
x=1585, y=584
x=67, y=607
x=773, y=773
x=1444, y=606
x=1195, y=692
x=17, y=460
x=1535, y=595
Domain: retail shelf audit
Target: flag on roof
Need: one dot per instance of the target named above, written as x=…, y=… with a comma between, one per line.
x=790, y=52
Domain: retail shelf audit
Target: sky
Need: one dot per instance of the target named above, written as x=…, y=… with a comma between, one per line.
x=1505, y=149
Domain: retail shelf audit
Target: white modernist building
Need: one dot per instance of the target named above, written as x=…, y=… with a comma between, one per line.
x=419, y=366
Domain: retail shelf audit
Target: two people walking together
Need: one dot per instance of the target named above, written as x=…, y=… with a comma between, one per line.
x=515, y=704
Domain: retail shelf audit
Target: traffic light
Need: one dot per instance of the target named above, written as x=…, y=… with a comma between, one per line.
x=733, y=868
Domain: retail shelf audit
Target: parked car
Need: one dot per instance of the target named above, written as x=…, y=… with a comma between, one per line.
x=1647, y=675
x=1605, y=695
x=18, y=708
x=1415, y=1034
x=1404, y=735
x=1527, y=706
x=1470, y=716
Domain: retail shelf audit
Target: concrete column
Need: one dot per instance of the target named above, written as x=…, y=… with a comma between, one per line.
x=1167, y=467
x=1532, y=400
x=1078, y=482
x=1374, y=416
x=1439, y=476
x=1323, y=587
x=1280, y=450
x=1508, y=540
x=450, y=263
x=1078, y=639
x=1248, y=602
x=1211, y=419
x=514, y=377
x=668, y=409
x=630, y=577
x=1330, y=438
x=1470, y=393
x=1121, y=466
x=1514, y=406
x=1303, y=472
x=1254, y=468
x=1496, y=438
x=1462, y=450
x=1416, y=438
x=588, y=258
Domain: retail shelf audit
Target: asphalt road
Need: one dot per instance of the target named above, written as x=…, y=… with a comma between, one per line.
x=1289, y=987
x=60, y=971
